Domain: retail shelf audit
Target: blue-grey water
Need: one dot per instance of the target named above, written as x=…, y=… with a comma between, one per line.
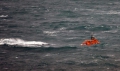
x=45, y=35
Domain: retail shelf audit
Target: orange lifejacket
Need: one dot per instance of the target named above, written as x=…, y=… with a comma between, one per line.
x=90, y=42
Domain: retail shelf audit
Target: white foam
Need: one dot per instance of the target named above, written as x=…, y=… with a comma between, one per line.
x=109, y=12
x=3, y=16
x=20, y=42
x=113, y=12
x=51, y=33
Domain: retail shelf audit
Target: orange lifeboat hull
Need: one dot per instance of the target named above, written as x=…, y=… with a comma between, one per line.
x=90, y=42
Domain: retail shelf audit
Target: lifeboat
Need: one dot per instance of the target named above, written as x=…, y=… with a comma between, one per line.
x=90, y=42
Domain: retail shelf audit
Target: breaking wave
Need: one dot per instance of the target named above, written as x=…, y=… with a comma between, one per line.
x=22, y=43
x=16, y=42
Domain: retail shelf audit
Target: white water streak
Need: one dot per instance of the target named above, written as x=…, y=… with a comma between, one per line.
x=20, y=42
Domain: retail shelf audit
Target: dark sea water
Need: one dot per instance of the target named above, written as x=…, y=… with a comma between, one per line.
x=45, y=35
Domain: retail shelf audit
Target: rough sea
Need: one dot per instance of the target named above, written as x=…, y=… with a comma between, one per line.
x=45, y=35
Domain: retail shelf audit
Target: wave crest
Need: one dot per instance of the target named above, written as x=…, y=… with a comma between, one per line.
x=20, y=42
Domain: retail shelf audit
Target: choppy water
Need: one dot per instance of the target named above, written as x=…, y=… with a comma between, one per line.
x=45, y=35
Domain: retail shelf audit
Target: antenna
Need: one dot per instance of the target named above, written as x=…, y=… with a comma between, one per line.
x=92, y=35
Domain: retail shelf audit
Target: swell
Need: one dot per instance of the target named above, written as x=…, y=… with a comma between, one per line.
x=92, y=27
x=37, y=49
